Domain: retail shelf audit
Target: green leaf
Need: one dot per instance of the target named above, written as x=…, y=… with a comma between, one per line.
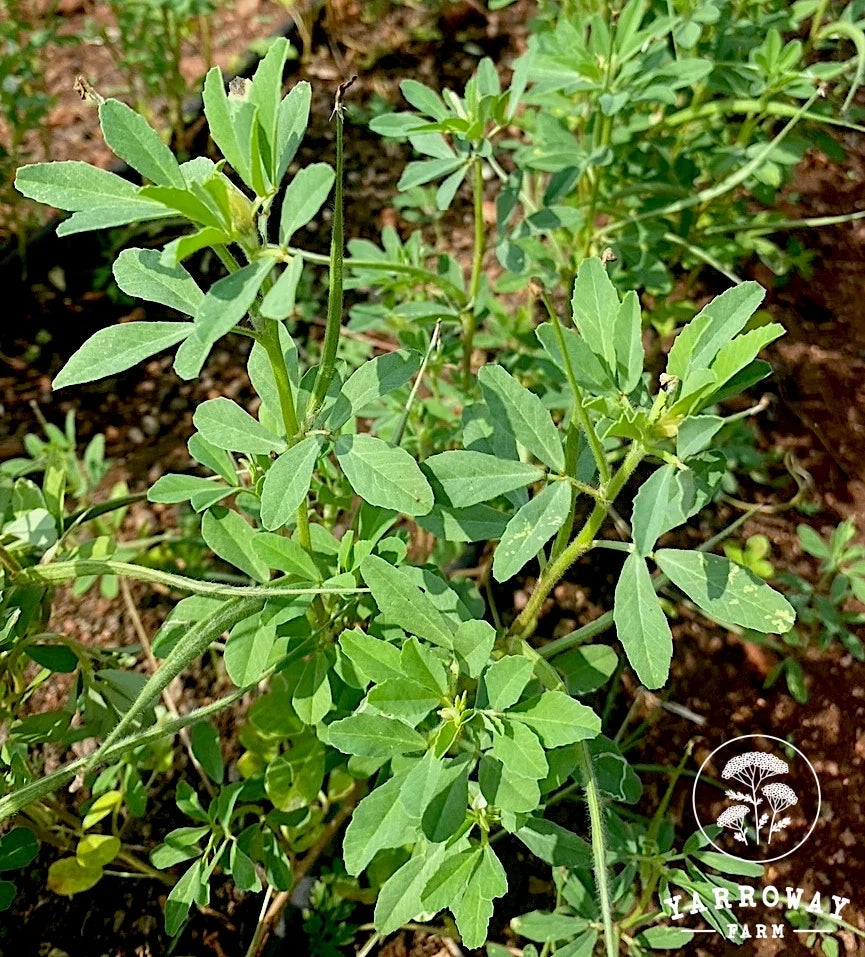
x=716, y=325
x=207, y=748
x=423, y=99
x=312, y=696
x=446, y=811
x=226, y=133
x=229, y=427
x=399, y=899
x=200, y=492
x=505, y=680
x=371, y=735
x=641, y=624
x=523, y=414
x=588, y=371
x=291, y=125
x=595, y=304
x=371, y=381
x=7, y=894
x=474, y=909
x=279, y=301
x=422, y=665
x=542, y=926
x=530, y=529
x=729, y=865
x=383, y=474
x=97, y=850
x=285, y=555
x=403, y=603
x=182, y=896
x=104, y=805
x=180, y=845
x=449, y=882
x=696, y=433
x=471, y=477
x=224, y=305
x=735, y=356
x=586, y=669
x=265, y=92
x=506, y=788
x=666, y=938
x=286, y=483
x=117, y=348
x=520, y=751
x=132, y=139
x=628, y=341
x=303, y=199
x=140, y=273
x=230, y=537
x=192, y=203
x=184, y=246
x=380, y=821
x=557, y=718
x=293, y=780
x=375, y=659
x=119, y=213
x=404, y=699
x=479, y=523
x=554, y=844
x=69, y=876
x=18, y=848
x=727, y=592
x=73, y=185
x=420, y=172
x=242, y=870
x=473, y=643
x=247, y=651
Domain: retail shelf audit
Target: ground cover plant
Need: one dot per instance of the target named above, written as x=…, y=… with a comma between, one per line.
x=396, y=711
x=384, y=696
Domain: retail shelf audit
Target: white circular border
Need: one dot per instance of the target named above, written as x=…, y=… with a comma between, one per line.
x=784, y=744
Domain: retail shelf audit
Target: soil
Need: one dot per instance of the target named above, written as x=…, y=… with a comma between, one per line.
x=816, y=414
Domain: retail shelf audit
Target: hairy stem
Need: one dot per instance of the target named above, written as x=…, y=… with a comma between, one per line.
x=524, y=625
x=67, y=571
x=599, y=849
x=327, y=366
x=469, y=317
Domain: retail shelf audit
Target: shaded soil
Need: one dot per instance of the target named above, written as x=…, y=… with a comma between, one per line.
x=817, y=414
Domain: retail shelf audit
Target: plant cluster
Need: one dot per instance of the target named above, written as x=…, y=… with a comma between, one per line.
x=392, y=699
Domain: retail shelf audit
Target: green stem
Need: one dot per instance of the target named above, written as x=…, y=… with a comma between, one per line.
x=599, y=849
x=43, y=786
x=720, y=108
x=327, y=365
x=579, y=399
x=383, y=265
x=524, y=625
x=469, y=317
x=81, y=568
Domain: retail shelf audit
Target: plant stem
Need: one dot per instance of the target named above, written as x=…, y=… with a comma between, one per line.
x=599, y=849
x=582, y=414
x=66, y=571
x=327, y=365
x=41, y=787
x=469, y=317
x=524, y=625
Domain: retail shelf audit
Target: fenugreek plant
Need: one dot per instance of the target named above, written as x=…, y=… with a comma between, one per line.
x=388, y=696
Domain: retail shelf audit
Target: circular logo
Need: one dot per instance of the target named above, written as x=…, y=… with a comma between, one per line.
x=756, y=798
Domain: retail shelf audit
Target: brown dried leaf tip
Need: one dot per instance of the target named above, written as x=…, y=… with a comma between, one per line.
x=341, y=90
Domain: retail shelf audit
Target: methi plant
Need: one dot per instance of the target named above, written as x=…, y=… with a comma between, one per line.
x=662, y=130
x=384, y=698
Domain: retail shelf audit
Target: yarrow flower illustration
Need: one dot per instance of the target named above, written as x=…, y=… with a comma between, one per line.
x=734, y=819
x=751, y=769
x=779, y=797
